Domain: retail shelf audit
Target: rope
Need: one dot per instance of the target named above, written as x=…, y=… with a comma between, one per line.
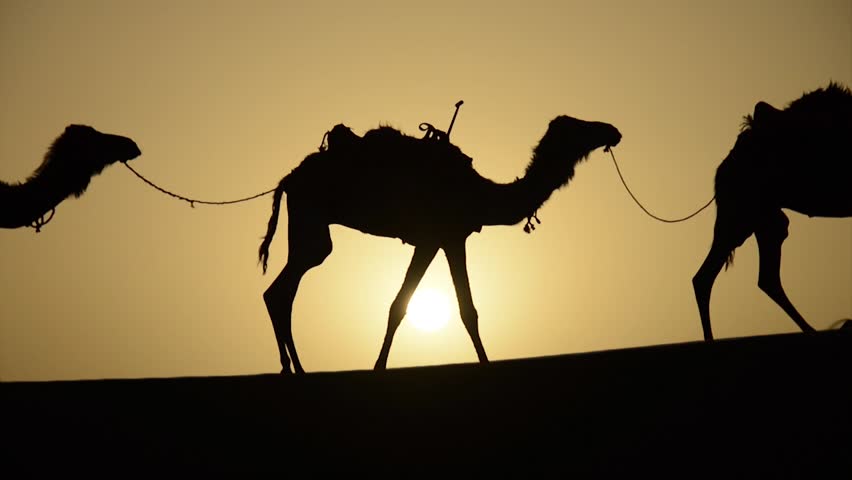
x=42, y=221
x=665, y=220
x=193, y=201
x=324, y=142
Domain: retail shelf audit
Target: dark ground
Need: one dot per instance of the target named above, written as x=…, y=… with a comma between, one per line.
x=775, y=406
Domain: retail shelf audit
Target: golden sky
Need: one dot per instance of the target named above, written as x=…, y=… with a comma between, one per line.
x=225, y=98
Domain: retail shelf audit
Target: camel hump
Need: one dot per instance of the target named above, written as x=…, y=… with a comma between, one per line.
x=764, y=112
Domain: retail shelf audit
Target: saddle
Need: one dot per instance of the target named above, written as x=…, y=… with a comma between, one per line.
x=338, y=138
x=341, y=137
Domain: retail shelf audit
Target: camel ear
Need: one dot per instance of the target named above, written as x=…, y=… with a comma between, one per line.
x=764, y=112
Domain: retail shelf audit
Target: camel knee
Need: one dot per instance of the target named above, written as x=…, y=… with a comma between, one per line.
x=699, y=283
x=278, y=301
x=272, y=298
x=702, y=283
x=470, y=319
x=397, y=313
x=769, y=283
x=770, y=236
x=269, y=297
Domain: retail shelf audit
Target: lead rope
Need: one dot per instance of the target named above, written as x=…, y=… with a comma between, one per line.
x=193, y=201
x=665, y=220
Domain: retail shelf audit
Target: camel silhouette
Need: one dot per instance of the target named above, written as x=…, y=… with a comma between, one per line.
x=797, y=159
x=77, y=155
x=423, y=191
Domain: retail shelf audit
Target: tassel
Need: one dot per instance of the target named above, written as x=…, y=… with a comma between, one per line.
x=529, y=227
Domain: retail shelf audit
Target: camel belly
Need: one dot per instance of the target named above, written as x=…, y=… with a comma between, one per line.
x=415, y=219
x=826, y=199
x=828, y=206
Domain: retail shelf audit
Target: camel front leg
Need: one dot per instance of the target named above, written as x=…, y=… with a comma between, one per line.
x=702, y=283
x=423, y=256
x=457, y=260
x=770, y=237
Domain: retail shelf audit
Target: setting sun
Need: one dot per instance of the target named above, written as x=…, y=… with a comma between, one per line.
x=429, y=309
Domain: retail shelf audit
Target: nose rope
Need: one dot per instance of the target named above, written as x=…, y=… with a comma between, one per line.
x=193, y=201
x=664, y=220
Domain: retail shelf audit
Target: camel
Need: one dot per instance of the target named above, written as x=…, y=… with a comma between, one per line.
x=423, y=191
x=797, y=158
x=77, y=155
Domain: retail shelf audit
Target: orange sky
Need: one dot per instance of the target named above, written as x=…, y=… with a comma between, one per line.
x=224, y=98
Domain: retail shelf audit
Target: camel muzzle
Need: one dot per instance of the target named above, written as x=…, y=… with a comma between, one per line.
x=128, y=149
x=616, y=140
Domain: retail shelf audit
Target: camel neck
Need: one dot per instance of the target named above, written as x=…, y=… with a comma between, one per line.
x=29, y=201
x=511, y=203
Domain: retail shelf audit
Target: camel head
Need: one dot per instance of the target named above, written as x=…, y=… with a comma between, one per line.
x=82, y=152
x=579, y=136
x=95, y=150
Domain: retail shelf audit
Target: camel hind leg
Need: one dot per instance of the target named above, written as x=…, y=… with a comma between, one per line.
x=729, y=232
x=309, y=245
x=771, y=234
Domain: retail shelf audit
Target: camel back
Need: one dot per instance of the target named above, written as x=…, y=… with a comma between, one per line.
x=382, y=155
x=830, y=106
x=802, y=149
x=389, y=143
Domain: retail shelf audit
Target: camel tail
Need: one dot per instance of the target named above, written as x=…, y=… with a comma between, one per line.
x=263, y=252
x=729, y=260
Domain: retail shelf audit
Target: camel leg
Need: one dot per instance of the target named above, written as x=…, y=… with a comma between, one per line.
x=727, y=236
x=771, y=234
x=309, y=245
x=457, y=260
x=423, y=256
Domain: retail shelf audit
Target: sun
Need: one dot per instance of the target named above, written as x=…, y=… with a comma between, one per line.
x=429, y=309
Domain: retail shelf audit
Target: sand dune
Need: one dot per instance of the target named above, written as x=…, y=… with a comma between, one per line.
x=776, y=404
